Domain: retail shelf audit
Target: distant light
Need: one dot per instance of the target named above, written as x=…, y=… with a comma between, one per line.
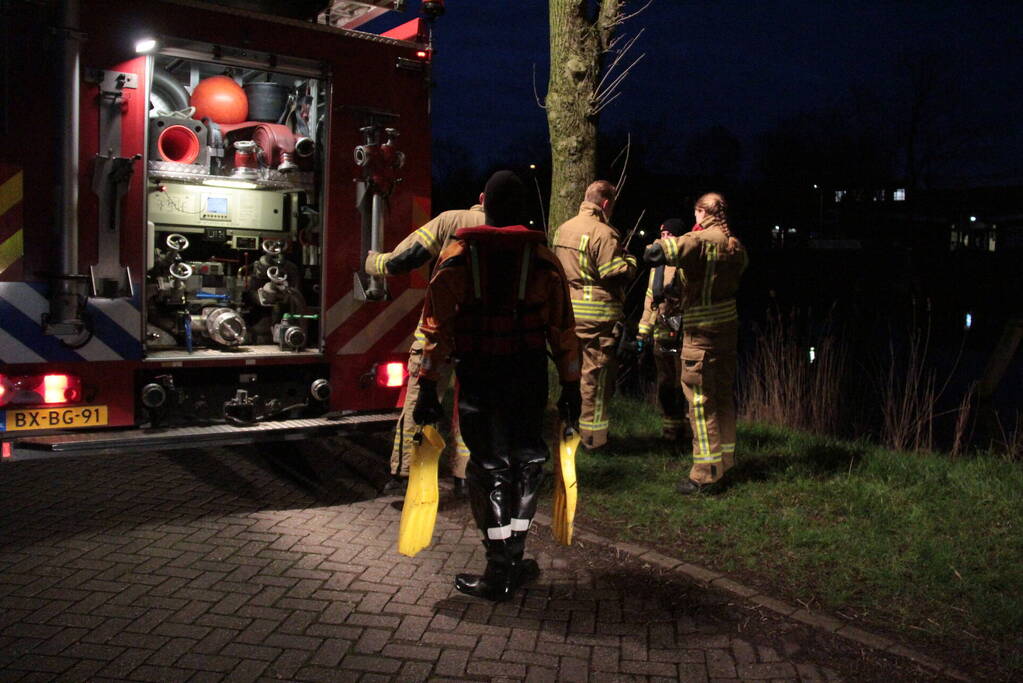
x=533, y=166
x=145, y=45
x=792, y=231
x=813, y=354
x=642, y=233
x=973, y=219
x=237, y=184
x=815, y=186
x=969, y=321
x=530, y=222
x=899, y=195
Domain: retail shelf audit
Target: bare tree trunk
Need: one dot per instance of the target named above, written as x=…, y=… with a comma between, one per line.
x=574, y=100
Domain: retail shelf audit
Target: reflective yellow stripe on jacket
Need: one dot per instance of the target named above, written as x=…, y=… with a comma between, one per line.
x=670, y=250
x=712, y=314
x=596, y=310
x=429, y=240
x=618, y=263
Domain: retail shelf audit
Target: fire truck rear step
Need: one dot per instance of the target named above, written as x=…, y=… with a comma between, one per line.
x=212, y=435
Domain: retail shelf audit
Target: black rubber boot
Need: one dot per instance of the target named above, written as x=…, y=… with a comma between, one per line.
x=688, y=487
x=495, y=584
x=526, y=572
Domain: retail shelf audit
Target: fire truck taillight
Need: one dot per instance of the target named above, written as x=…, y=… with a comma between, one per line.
x=391, y=374
x=422, y=54
x=36, y=389
x=61, y=388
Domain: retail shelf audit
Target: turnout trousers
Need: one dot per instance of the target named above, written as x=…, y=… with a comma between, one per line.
x=597, y=380
x=670, y=395
x=501, y=405
x=708, y=379
x=405, y=429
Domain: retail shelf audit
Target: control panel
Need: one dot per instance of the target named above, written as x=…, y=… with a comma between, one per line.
x=180, y=204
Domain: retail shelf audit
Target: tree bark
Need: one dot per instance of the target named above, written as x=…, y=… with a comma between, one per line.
x=577, y=46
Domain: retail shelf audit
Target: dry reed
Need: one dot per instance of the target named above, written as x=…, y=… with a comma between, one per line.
x=782, y=374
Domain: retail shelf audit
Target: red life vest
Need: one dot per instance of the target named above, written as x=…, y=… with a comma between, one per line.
x=498, y=318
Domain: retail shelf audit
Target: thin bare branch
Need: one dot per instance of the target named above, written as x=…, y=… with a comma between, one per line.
x=634, y=229
x=536, y=95
x=624, y=150
x=621, y=177
x=625, y=17
x=600, y=99
x=599, y=108
x=618, y=56
x=621, y=77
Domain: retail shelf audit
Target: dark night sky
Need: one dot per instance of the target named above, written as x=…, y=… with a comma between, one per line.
x=744, y=65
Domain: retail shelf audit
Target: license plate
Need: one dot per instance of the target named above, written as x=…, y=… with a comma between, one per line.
x=53, y=418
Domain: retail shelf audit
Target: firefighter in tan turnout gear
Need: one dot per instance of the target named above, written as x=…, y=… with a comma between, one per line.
x=710, y=262
x=598, y=271
x=660, y=326
x=418, y=249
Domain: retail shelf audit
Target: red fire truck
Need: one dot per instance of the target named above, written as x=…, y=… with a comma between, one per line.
x=188, y=191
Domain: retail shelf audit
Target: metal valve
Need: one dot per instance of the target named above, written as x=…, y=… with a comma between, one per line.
x=177, y=242
x=180, y=270
x=276, y=277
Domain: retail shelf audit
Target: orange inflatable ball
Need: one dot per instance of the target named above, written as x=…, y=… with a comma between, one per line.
x=220, y=99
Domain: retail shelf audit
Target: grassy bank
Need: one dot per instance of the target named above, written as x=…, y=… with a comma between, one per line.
x=920, y=544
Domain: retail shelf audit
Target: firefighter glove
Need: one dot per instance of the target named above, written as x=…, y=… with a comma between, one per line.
x=427, y=410
x=654, y=255
x=570, y=405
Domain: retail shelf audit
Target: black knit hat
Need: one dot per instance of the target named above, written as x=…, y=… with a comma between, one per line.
x=674, y=226
x=504, y=199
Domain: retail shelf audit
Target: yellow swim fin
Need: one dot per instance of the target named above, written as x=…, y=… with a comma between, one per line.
x=566, y=488
x=419, y=514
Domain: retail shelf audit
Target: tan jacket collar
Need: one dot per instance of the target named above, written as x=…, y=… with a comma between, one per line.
x=591, y=209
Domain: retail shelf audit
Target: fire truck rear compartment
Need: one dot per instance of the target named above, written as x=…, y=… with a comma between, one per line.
x=233, y=184
x=240, y=396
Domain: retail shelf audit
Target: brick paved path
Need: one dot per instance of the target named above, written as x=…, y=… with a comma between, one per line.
x=218, y=565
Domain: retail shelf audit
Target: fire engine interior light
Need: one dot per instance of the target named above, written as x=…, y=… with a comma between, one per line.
x=237, y=184
x=391, y=374
x=145, y=45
